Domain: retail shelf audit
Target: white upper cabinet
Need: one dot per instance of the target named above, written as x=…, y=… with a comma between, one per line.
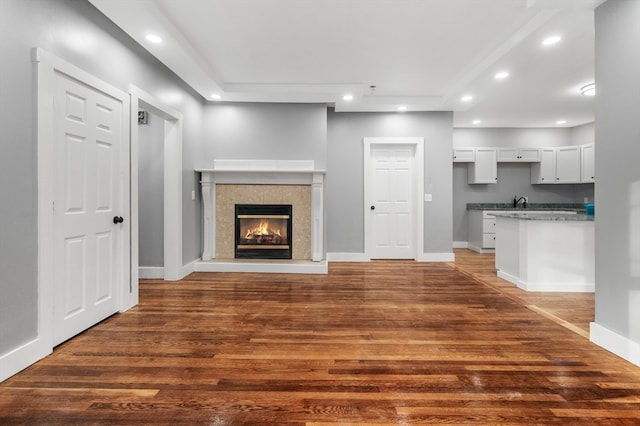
x=464, y=155
x=545, y=170
x=518, y=155
x=568, y=164
x=588, y=163
x=563, y=164
x=485, y=167
x=557, y=165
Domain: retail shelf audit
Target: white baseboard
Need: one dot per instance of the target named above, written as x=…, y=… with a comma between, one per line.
x=461, y=244
x=480, y=249
x=615, y=343
x=150, y=272
x=548, y=287
x=270, y=266
x=436, y=257
x=347, y=257
x=362, y=257
x=20, y=358
x=189, y=268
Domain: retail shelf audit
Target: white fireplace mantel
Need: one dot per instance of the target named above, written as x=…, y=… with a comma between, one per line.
x=263, y=172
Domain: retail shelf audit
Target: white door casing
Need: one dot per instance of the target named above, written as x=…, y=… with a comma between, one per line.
x=173, y=120
x=88, y=203
x=394, y=211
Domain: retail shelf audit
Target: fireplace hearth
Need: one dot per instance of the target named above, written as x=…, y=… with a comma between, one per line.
x=263, y=231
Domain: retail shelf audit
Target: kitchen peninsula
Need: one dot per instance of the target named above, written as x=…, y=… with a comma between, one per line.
x=546, y=251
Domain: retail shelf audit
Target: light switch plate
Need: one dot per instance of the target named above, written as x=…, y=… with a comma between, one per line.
x=428, y=197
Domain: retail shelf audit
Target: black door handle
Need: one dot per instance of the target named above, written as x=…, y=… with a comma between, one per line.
x=118, y=219
x=373, y=207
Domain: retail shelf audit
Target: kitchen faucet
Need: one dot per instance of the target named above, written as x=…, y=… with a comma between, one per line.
x=517, y=200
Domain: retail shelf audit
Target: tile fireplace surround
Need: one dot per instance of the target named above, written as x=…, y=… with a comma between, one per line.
x=262, y=181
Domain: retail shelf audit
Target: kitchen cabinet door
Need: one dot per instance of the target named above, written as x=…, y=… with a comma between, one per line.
x=485, y=168
x=588, y=163
x=518, y=155
x=568, y=164
x=545, y=170
x=464, y=155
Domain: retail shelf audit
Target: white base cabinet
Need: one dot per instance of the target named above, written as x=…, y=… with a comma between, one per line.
x=481, y=233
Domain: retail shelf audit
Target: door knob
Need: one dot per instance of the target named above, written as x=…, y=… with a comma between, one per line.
x=118, y=219
x=373, y=207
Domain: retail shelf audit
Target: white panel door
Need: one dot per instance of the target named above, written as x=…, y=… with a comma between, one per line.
x=391, y=202
x=87, y=198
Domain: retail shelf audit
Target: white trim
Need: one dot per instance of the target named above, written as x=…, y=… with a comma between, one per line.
x=418, y=178
x=173, y=122
x=22, y=357
x=189, y=267
x=46, y=65
x=266, y=266
x=460, y=244
x=268, y=172
x=264, y=165
x=347, y=257
x=151, y=272
x=480, y=249
x=548, y=286
x=436, y=257
x=615, y=343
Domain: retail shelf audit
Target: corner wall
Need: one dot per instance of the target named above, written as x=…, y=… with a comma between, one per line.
x=617, y=111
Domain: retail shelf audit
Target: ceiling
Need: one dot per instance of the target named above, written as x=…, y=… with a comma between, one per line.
x=423, y=54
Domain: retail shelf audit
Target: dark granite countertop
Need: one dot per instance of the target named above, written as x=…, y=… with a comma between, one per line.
x=531, y=206
x=558, y=217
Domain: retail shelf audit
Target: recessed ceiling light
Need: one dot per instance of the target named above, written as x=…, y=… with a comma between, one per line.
x=466, y=98
x=477, y=121
x=154, y=38
x=561, y=122
x=501, y=75
x=215, y=96
x=588, y=90
x=402, y=108
x=347, y=97
x=551, y=40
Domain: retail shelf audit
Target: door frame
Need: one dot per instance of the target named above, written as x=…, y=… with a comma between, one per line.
x=173, y=119
x=417, y=177
x=47, y=65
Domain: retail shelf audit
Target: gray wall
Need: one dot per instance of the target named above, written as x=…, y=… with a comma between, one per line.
x=344, y=196
x=617, y=111
x=518, y=137
x=514, y=178
x=249, y=131
x=75, y=31
x=151, y=192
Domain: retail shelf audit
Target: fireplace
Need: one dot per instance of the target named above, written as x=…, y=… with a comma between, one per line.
x=263, y=231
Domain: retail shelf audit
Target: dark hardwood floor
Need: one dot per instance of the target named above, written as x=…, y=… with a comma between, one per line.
x=384, y=343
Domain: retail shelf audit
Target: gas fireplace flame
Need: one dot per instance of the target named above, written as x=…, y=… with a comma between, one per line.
x=261, y=230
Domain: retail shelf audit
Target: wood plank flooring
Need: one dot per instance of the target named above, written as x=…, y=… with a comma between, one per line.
x=381, y=343
x=573, y=310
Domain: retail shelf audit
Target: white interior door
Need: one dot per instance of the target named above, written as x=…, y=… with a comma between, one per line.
x=391, y=202
x=88, y=201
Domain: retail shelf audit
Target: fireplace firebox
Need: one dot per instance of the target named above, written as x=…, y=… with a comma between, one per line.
x=263, y=231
